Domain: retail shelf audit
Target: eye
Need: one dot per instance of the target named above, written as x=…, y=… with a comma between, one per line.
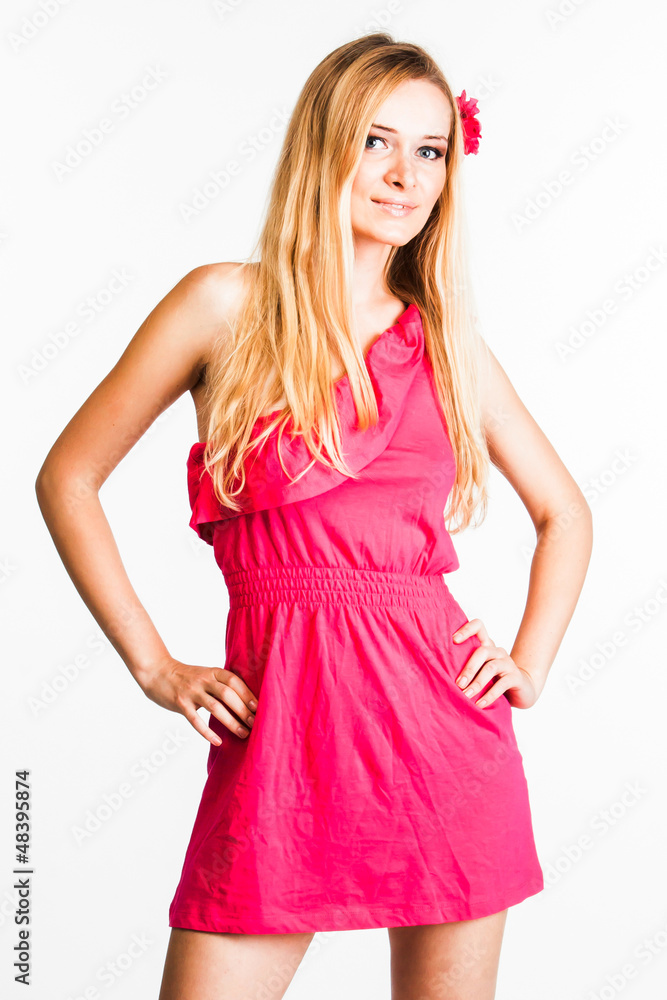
x=437, y=152
x=380, y=138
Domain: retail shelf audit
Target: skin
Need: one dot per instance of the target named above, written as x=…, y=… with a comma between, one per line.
x=164, y=359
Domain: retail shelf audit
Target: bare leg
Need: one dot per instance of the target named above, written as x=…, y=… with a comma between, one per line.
x=452, y=961
x=200, y=965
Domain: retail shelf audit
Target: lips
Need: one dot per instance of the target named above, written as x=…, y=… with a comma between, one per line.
x=395, y=208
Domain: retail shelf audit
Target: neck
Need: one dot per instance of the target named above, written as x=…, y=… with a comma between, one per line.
x=368, y=284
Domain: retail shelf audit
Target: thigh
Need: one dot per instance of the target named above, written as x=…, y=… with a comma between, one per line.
x=452, y=961
x=212, y=966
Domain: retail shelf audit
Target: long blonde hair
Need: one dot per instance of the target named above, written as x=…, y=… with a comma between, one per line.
x=297, y=312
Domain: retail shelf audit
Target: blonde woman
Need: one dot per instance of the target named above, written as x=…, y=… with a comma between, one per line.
x=363, y=769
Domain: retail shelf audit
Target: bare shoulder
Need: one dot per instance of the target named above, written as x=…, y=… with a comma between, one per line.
x=166, y=357
x=224, y=281
x=215, y=291
x=220, y=288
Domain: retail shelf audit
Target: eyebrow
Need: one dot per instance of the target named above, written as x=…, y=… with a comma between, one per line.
x=386, y=128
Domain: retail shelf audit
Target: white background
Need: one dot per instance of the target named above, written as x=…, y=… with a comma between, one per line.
x=547, y=86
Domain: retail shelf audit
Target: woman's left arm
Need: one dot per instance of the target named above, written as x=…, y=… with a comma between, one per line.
x=564, y=526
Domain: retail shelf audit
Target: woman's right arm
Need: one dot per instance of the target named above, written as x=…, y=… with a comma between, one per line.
x=165, y=358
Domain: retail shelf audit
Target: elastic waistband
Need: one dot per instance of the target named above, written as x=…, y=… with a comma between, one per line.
x=316, y=585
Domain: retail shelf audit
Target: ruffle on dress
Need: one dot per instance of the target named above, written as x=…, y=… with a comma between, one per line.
x=392, y=361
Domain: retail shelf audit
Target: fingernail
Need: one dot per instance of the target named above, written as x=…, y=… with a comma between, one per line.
x=253, y=704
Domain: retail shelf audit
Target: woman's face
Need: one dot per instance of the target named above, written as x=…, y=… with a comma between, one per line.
x=403, y=162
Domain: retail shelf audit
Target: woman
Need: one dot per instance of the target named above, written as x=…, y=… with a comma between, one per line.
x=363, y=770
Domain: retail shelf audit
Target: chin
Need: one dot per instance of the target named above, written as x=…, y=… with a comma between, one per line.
x=390, y=235
x=397, y=239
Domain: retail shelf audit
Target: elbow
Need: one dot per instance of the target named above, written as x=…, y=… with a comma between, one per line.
x=45, y=493
x=56, y=487
x=47, y=482
x=47, y=487
x=582, y=509
x=41, y=485
x=40, y=482
x=579, y=509
x=571, y=509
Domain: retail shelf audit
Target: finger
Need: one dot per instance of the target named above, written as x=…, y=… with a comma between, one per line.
x=474, y=664
x=224, y=692
x=198, y=723
x=473, y=627
x=493, y=693
x=486, y=674
x=237, y=684
x=217, y=709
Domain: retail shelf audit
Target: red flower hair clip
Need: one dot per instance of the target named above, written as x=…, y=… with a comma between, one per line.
x=471, y=128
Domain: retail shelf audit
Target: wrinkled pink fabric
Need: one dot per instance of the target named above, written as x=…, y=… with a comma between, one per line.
x=371, y=792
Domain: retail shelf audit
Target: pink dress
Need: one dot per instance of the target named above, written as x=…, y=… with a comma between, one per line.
x=371, y=792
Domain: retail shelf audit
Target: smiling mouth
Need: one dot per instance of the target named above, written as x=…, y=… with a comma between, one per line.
x=397, y=210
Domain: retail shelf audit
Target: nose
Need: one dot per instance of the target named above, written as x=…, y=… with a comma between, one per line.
x=401, y=170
